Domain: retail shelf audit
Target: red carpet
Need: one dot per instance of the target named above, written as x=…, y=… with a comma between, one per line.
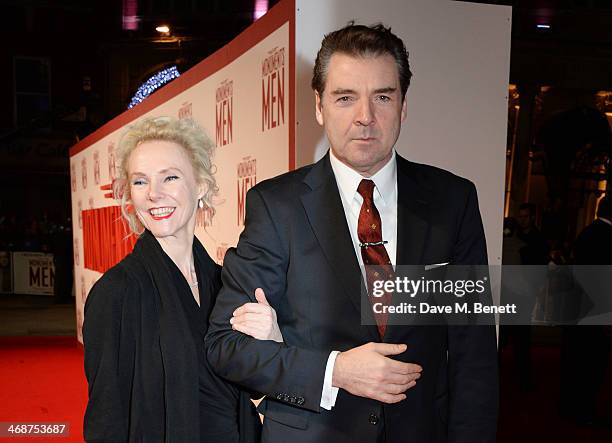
x=42, y=380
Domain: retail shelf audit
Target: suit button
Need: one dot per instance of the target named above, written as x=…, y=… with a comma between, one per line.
x=300, y=401
x=373, y=419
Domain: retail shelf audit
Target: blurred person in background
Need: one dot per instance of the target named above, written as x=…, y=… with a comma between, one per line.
x=584, y=351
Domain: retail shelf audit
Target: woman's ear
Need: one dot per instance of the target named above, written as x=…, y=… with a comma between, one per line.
x=202, y=189
x=119, y=187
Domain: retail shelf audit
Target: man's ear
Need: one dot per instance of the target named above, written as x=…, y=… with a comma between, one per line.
x=318, y=110
x=404, y=109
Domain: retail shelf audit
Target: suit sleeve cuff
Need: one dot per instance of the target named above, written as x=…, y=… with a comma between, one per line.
x=329, y=394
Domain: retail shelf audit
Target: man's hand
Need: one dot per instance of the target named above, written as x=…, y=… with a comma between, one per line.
x=366, y=371
x=257, y=319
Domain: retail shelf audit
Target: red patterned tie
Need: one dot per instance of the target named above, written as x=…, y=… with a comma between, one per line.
x=375, y=257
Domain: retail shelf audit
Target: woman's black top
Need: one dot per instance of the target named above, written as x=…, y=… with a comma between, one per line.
x=218, y=399
x=149, y=380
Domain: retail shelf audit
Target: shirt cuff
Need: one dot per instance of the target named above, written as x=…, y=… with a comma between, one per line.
x=328, y=397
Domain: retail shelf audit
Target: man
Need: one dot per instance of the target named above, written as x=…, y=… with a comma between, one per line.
x=584, y=350
x=535, y=251
x=532, y=250
x=302, y=243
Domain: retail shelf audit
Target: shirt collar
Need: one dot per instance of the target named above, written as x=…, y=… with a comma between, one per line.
x=348, y=179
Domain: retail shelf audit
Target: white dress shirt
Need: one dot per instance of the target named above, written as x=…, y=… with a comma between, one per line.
x=385, y=200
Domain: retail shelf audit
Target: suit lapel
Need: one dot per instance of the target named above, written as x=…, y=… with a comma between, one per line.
x=413, y=218
x=326, y=216
x=413, y=221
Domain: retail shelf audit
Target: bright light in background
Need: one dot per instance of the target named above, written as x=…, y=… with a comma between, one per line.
x=163, y=29
x=543, y=26
x=130, y=17
x=261, y=7
x=157, y=81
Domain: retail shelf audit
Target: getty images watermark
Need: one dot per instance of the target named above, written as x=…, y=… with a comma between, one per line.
x=472, y=295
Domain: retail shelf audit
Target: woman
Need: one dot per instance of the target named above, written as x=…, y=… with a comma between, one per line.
x=146, y=318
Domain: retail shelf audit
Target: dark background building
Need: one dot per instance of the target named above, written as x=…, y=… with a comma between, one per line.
x=69, y=66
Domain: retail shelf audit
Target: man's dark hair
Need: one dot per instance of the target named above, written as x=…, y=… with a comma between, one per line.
x=531, y=207
x=361, y=40
x=605, y=207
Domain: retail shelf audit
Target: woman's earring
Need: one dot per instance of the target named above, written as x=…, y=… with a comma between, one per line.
x=200, y=203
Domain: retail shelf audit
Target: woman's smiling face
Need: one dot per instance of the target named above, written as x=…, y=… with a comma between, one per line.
x=163, y=188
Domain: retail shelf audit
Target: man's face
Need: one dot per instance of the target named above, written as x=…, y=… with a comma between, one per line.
x=362, y=110
x=524, y=219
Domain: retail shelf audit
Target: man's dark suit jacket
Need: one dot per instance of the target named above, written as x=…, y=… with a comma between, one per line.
x=297, y=247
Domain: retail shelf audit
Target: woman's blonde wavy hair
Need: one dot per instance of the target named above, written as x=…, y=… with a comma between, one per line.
x=184, y=132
